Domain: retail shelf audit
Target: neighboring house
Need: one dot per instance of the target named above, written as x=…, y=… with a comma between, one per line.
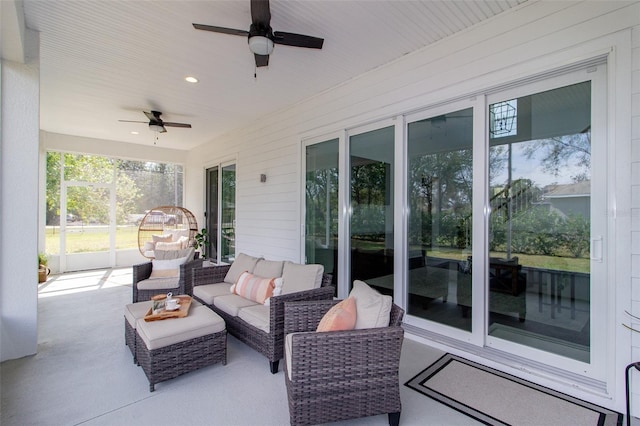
x=570, y=199
x=544, y=43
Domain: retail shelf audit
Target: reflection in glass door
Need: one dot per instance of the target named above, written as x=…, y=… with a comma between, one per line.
x=321, y=206
x=228, y=214
x=211, y=212
x=540, y=192
x=221, y=212
x=440, y=180
x=371, y=224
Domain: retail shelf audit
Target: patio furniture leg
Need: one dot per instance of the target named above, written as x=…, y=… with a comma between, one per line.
x=394, y=419
x=626, y=379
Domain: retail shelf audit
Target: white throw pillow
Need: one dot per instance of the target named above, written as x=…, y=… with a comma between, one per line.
x=175, y=254
x=179, y=233
x=176, y=245
x=167, y=268
x=372, y=307
x=166, y=238
x=276, y=291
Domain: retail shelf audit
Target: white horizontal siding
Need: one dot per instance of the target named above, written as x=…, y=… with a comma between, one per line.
x=635, y=212
x=437, y=73
x=534, y=38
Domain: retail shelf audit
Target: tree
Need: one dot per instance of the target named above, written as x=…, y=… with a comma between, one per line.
x=561, y=152
x=576, y=235
x=440, y=196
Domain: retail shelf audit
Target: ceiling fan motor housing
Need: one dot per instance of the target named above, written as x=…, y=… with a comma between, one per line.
x=260, y=39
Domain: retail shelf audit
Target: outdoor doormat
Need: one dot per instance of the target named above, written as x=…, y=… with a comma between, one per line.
x=496, y=398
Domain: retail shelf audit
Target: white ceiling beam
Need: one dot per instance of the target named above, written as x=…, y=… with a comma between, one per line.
x=12, y=36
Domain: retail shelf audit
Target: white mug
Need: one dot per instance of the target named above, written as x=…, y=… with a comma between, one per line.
x=172, y=304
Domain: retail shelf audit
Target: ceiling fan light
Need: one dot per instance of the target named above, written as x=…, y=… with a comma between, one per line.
x=261, y=45
x=155, y=127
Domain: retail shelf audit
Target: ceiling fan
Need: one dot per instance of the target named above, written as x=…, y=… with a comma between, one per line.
x=261, y=36
x=155, y=122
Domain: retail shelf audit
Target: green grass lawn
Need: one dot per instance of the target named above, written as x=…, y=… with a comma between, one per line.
x=570, y=264
x=558, y=263
x=82, y=239
x=96, y=238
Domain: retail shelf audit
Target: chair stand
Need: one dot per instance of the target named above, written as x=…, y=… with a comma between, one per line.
x=394, y=419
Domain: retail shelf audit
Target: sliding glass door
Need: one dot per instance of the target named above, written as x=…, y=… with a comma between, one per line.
x=545, y=244
x=440, y=219
x=371, y=168
x=220, y=212
x=500, y=240
x=321, y=206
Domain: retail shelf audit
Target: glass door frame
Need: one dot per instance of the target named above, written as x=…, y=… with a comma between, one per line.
x=603, y=190
x=218, y=234
x=478, y=323
x=345, y=189
x=343, y=167
x=602, y=292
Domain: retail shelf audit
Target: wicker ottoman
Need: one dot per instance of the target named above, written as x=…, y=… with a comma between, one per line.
x=132, y=313
x=172, y=347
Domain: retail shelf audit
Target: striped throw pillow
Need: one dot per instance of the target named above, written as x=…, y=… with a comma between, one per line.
x=254, y=288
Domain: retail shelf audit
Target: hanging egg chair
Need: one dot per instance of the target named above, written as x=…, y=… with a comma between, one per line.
x=175, y=227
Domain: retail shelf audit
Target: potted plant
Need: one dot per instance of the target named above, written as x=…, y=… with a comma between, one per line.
x=202, y=239
x=43, y=270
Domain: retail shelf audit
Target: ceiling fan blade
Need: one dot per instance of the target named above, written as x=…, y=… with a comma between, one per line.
x=168, y=124
x=131, y=121
x=262, y=60
x=153, y=115
x=297, y=40
x=222, y=30
x=260, y=13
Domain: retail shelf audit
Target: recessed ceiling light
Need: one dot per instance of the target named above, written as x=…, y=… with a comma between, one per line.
x=191, y=79
x=135, y=133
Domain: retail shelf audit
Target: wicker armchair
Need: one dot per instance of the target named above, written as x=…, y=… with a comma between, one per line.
x=270, y=344
x=340, y=375
x=142, y=271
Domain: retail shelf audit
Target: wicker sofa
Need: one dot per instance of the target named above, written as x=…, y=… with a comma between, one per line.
x=261, y=326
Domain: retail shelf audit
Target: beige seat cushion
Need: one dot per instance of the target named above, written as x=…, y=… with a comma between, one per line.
x=201, y=321
x=208, y=292
x=296, y=277
x=232, y=303
x=268, y=268
x=134, y=311
x=159, y=283
x=242, y=263
x=288, y=347
x=257, y=316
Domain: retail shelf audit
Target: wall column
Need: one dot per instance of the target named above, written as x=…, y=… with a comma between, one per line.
x=19, y=159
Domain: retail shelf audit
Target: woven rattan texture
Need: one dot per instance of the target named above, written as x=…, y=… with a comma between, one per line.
x=130, y=338
x=343, y=374
x=271, y=344
x=142, y=271
x=164, y=219
x=174, y=360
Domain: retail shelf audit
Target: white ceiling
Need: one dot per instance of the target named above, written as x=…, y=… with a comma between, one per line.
x=103, y=61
